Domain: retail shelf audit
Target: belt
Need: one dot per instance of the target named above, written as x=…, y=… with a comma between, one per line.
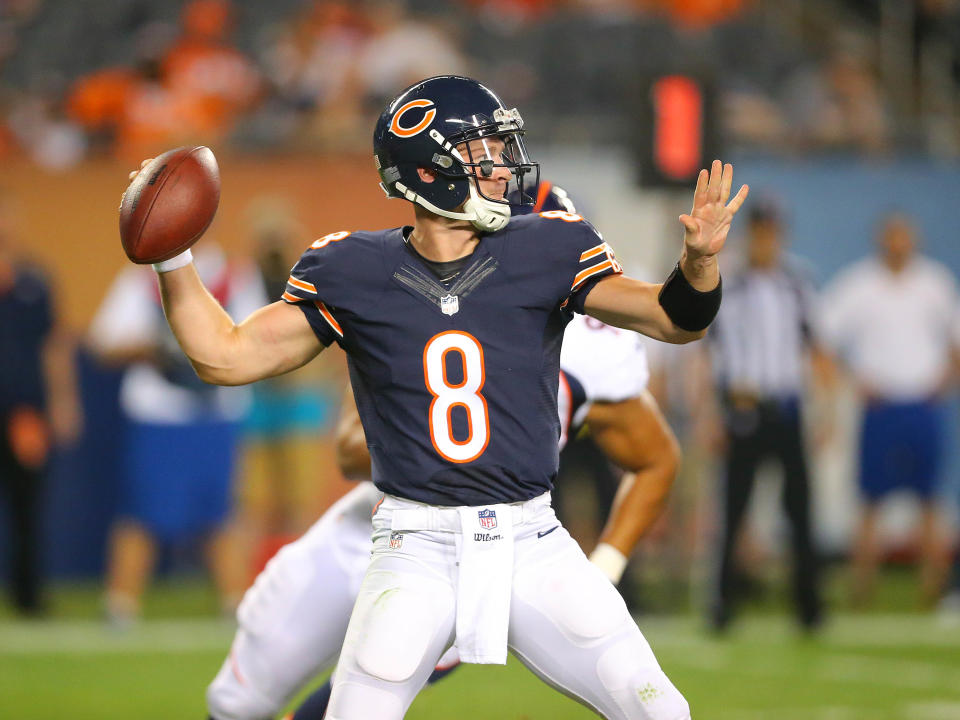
x=409, y=515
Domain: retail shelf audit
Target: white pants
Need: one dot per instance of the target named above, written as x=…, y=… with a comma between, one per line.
x=292, y=621
x=567, y=623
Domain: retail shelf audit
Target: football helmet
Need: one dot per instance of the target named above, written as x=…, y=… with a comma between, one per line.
x=432, y=125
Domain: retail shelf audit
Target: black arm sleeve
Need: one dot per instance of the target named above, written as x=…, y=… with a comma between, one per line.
x=688, y=308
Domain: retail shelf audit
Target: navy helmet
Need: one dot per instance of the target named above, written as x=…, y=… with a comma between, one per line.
x=431, y=125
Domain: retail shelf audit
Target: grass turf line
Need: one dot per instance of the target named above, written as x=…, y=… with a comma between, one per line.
x=881, y=667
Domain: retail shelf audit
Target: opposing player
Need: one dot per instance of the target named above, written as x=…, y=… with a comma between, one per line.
x=452, y=329
x=291, y=631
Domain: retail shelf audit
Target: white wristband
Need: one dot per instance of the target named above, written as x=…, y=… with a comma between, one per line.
x=174, y=263
x=610, y=560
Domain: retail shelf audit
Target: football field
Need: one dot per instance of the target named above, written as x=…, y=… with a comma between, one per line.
x=897, y=666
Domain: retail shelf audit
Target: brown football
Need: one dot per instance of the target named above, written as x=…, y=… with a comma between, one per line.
x=169, y=204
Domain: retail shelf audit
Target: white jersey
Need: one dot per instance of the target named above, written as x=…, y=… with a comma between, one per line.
x=895, y=329
x=283, y=641
x=609, y=364
x=131, y=316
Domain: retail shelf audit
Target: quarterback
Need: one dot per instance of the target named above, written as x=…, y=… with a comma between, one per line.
x=293, y=620
x=452, y=328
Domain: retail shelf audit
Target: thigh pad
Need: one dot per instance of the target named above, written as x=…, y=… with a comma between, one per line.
x=576, y=597
x=398, y=616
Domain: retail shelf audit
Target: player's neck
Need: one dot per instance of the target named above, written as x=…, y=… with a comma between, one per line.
x=443, y=239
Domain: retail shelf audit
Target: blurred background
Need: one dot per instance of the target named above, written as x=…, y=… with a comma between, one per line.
x=806, y=566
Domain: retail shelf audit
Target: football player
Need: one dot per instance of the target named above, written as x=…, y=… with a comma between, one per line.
x=452, y=328
x=291, y=631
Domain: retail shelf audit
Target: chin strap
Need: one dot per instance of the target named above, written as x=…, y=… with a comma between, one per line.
x=485, y=215
x=488, y=216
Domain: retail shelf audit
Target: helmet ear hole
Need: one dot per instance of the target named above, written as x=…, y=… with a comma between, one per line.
x=426, y=175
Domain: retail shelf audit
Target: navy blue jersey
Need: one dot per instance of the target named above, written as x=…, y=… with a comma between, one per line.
x=456, y=384
x=26, y=320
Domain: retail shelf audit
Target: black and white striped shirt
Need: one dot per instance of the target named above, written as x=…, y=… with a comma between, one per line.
x=761, y=335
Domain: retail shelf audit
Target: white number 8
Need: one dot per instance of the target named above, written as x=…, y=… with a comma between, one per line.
x=466, y=394
x=561, y=215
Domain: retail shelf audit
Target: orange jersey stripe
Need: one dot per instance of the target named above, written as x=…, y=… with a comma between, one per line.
x=303, y=285
x=593, y=252
x=329, y=317
x=542, y=192
x=290, y=298
x=589, y=272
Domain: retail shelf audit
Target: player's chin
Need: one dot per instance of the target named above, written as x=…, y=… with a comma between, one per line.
x=494, y=191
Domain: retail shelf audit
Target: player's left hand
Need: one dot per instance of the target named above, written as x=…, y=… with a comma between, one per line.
x=131, y=175
x=707, y=225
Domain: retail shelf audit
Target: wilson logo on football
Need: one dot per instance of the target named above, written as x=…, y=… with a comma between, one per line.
x=398, y=129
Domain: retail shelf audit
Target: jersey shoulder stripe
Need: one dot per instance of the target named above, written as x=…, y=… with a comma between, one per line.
x=602, y=259
x=593, y=252
x=302, y=285
x=328, y=316
x=607, y=265
x=543, y=192
x=299, y=288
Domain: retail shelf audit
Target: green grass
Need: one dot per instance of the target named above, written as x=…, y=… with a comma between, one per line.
x=878, y=666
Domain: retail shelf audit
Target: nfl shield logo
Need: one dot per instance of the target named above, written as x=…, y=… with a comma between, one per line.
x=488, y=519
x=396, y=540
x=449, y=304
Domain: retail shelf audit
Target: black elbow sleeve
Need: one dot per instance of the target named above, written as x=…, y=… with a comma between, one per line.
x=687, y=307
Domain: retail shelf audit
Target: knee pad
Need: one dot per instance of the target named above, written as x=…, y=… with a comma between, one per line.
x=630, y=673
x=398, y=625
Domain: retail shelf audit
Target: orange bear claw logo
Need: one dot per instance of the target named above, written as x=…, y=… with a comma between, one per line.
x=405, y=132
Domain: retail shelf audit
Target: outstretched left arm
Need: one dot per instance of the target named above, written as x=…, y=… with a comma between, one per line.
x=669, y=311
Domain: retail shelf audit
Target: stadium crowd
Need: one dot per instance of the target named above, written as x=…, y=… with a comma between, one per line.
x=297, y=74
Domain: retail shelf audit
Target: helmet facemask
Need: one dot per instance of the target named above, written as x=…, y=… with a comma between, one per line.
x=482, y=148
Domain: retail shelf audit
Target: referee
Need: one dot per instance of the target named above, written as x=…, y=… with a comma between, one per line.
x=761, y=344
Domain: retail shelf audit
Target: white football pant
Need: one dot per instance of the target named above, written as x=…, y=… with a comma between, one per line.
x=567, y=623
x=292, y=620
